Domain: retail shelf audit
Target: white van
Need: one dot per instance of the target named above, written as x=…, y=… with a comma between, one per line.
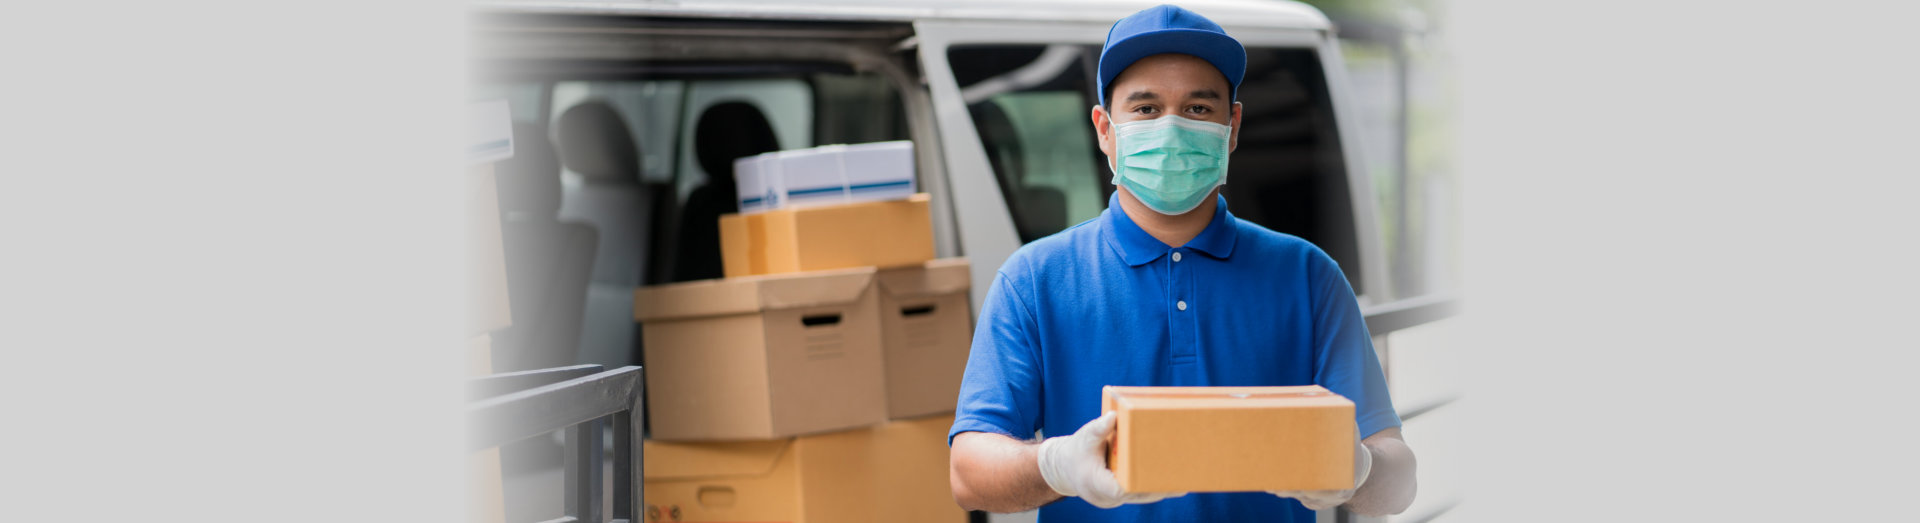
x=994, y=95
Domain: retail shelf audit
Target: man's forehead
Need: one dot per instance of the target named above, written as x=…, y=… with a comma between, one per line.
x=1147, y=93
x=1171, y=71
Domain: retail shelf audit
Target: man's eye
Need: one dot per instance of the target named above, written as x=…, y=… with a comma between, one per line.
x=1145, y=109
x=1199, y=109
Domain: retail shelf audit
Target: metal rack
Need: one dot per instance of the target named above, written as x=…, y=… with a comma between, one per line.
x=579, y=400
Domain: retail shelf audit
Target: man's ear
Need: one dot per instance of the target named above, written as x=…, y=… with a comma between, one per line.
x=1233, y=137
x=1102, y=129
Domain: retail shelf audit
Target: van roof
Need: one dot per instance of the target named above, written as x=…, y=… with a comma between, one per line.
x=1229, y=13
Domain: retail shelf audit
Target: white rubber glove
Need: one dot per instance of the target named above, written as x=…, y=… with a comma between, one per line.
x=1076, y=465
x=1326, y=499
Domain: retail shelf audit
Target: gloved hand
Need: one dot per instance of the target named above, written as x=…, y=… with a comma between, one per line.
x=1076, y=465
x=1326, y=499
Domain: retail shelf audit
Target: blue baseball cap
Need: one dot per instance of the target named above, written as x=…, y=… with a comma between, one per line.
x=1170, y=29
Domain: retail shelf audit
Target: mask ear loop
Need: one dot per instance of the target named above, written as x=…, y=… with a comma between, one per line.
x=1113, y=163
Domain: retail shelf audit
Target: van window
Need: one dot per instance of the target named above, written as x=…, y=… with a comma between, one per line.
x=1030, y=104
x=1289, y=173
x=663, y=113
x=1400, y=93
x=653, y=200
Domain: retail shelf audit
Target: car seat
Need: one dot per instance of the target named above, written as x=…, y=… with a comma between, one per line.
x=595, y=141
x=726, y=132
x=548, y=260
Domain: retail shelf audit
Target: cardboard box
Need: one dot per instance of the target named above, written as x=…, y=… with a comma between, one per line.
x=762, y=357
x=878, y=171
x=738, y=235
x=755, y=192
x=888, y=473
x=486, y=257
x=486, y=486
x=879, y=234
x=926, y=329
x=489, y=139
x=1230, y=439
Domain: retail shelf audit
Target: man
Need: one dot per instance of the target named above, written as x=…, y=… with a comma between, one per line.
x=1164, y=288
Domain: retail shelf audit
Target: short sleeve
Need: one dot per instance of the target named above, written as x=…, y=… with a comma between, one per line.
x=1345, y=360
x=1001, y=390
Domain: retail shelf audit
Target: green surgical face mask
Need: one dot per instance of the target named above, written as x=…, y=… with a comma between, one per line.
x=1171, y=163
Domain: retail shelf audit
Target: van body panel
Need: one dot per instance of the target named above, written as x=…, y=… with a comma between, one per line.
x=1247, y=13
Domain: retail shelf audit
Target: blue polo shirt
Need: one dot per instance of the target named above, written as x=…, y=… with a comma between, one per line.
x=1104, y=303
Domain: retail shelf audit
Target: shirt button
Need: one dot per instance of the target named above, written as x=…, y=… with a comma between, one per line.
x=1176, y=257
x=1182, y=305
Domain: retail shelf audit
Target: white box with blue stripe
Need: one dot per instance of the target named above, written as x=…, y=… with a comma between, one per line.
x=825, y=175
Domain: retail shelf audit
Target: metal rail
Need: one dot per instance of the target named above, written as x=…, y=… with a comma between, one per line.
x=488, y=386
x=577, y=406
x=1418, y=410
x=1411, y=312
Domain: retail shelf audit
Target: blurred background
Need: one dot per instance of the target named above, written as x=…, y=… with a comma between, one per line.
x=1680, y=231
x=627, y=126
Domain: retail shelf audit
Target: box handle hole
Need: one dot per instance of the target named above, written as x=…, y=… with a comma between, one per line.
x=916, y=311
x=820, y=320
x=716, y=497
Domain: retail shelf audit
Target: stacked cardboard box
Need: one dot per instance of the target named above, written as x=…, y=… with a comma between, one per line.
x=888, y=473
x=890, y=233
x=824, y=175
x=926, y=328
x=769, y=392
x=490, y=135
x=764, y=356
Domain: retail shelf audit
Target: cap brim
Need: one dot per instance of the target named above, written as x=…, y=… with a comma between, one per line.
x=1225, y=53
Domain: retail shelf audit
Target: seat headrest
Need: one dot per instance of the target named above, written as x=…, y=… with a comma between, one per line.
x=529, y=182
x=729, y=131
x=595, y=142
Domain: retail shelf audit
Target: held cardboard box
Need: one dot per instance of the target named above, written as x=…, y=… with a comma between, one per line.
x=887, y=473
x=762, y=357
x=878, y=234
x=1230, y=439
x=926, y=329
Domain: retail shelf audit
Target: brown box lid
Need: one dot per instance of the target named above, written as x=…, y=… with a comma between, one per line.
x=750, y=294
x=935, y=277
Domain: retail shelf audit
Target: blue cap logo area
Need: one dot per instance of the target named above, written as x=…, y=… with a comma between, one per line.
x=1170, y=29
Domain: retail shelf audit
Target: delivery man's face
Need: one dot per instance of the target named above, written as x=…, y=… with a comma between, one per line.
x=1168, y=85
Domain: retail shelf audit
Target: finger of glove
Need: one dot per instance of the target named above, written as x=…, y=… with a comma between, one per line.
x=1102, y=502
x=1318, y=504
x=1321, y=499
x=1100, y=489
x=1099, y=428
x=1362, y=462
x=1291, y=494
x=1151, y=497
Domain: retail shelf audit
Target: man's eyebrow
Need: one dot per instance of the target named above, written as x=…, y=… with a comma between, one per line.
x=1142, y=95
x=1206, y=94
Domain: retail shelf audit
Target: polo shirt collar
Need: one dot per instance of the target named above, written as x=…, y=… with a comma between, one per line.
x=1137, y=247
